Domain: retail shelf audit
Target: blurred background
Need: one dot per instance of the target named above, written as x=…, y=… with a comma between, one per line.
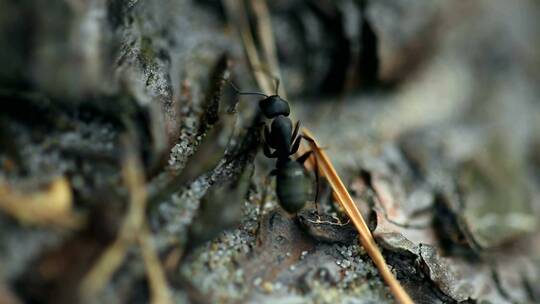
x=126, y=178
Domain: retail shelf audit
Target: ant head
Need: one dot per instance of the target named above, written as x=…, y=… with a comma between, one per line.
x=273, y=106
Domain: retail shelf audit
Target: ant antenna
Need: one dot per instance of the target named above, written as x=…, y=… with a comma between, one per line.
x=267, y=72
x=243, y=93
x=277, y=85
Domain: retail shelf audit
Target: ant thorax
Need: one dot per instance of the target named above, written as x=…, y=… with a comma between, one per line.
x=280, y=137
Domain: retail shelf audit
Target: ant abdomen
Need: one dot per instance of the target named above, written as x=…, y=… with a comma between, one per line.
x=293, y=186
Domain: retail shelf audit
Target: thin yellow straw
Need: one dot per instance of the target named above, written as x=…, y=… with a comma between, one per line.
x=366, y=238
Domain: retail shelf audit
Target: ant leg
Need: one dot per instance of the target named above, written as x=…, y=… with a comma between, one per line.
x=311, y=140
x=232, y=108
x=295, y=132
x=316, y=165
x=264, y=69
x=268, y=153
x=295, y=145
x=317, y=184
x=302, y=158
x=237, y=91
x=267, y=137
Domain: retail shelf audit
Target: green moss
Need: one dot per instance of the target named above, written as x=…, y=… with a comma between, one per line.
x=147, y=50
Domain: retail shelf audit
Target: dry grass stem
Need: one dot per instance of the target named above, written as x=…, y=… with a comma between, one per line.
x=366, y=238
x=134, y=231
x=113, y=256
x=237, y=12
x=104, y=268
x=264, y=26
x=156, y=276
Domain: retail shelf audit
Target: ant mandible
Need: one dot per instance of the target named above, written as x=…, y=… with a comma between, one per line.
x=293, y=185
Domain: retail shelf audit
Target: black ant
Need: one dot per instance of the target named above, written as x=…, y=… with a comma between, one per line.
x=293, y=186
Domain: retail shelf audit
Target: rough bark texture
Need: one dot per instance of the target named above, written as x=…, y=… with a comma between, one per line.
x=428, y=109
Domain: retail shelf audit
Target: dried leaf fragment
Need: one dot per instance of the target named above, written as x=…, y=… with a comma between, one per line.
x=51, y=205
